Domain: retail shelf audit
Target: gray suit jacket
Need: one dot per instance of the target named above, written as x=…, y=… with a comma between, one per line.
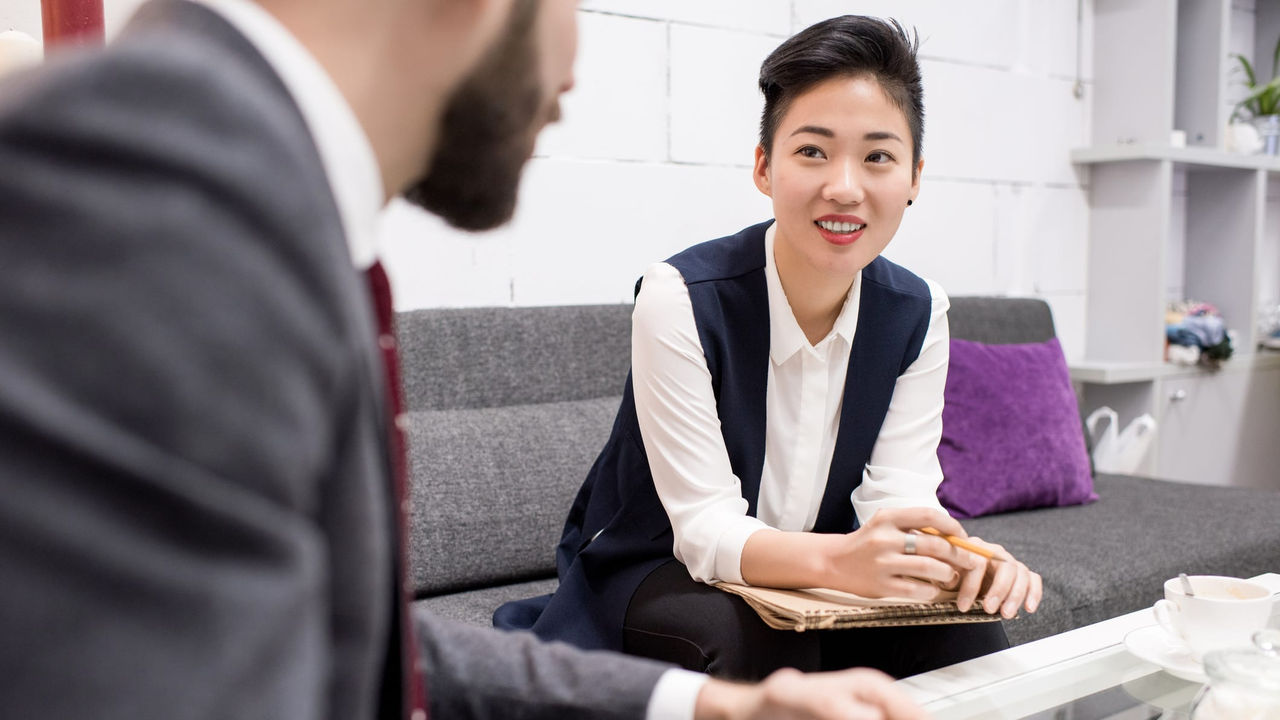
x=194, y=497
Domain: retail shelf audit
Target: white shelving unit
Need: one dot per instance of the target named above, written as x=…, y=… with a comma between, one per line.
x=1160, y=66
x=1202, y=156
x=1104, y=373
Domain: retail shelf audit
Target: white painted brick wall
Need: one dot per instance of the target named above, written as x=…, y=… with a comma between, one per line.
x=620, y=107
x=977, y=32
x=115, y=13
x=657, y=140
x=1052, y=222
x=759, y=16
x=715, y=98
x=21, y=16
x=949, y=235
x=1048, y=40
x=987, y=124
x=613, y=189
x=587, y=231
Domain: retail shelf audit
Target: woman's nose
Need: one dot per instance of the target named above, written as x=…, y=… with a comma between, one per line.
x=843, y=185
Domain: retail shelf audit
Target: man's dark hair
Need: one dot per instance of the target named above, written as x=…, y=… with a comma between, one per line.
x=846, y=46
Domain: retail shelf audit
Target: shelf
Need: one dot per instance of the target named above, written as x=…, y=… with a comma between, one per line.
x=1105, y=373
x=1200, y=156
x=1194, y=221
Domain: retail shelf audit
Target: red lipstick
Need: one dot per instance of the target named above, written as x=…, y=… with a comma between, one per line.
x=838, y=236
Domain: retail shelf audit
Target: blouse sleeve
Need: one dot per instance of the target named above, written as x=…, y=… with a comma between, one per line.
x=904, y=469
x=676, y=409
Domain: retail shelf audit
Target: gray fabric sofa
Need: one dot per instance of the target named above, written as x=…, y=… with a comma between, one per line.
x=509, y=406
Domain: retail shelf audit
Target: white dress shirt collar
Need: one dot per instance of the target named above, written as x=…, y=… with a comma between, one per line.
x=785, y=336
x=349, y=162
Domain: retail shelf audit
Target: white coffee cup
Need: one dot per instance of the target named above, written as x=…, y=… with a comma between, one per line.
x=1223, y=612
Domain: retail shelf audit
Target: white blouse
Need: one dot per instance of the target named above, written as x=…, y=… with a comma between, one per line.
x=676, y=408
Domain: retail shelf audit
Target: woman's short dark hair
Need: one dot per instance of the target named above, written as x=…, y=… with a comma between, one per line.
x=846, y=46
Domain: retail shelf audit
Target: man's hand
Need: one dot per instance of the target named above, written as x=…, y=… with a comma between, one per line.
x=857, y=694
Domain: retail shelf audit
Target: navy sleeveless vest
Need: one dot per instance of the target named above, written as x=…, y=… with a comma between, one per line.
x=617, y=531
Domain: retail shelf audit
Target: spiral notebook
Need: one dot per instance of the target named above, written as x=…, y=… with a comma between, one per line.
x=821, y=609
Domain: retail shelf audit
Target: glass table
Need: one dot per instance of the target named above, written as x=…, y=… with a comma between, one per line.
x=1083, y=674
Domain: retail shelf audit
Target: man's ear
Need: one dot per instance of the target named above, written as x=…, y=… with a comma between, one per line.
x=760, y=173
x=467, y=28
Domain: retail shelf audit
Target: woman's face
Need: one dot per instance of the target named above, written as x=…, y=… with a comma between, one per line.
x=840, y=176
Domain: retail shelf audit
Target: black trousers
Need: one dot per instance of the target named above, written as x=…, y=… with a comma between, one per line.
x=676, y=619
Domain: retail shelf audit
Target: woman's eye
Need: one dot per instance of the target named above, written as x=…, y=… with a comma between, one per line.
x=879, y=157
x=810, y=151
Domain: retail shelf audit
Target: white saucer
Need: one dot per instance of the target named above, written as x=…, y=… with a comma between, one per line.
x=1155, y=646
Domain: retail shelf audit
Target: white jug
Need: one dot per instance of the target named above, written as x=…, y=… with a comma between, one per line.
x=1132, y=444
x=1115, y=450
x=1104, y=443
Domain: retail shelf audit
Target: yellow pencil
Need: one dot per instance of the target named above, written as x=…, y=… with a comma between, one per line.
x=961, y=543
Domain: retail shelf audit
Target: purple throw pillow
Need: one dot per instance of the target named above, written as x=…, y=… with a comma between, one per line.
x=1011, y=432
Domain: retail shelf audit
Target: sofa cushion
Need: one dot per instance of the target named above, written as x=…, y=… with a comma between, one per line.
x=475, y=607
x=492, y=486
x=1000, y=319
x=1011, y=436
x=1113, y=556
x=456, y=358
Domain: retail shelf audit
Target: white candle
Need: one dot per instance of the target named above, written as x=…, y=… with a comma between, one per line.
x=18, y=49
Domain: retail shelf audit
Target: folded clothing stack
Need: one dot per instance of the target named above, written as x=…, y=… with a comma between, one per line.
x=1195, y=331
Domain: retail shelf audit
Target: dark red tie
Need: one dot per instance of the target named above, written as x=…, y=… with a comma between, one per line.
x=380, y=286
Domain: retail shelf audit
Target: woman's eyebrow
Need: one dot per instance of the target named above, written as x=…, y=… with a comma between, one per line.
x=815, y=129
x=827, y=132
x=881, y=135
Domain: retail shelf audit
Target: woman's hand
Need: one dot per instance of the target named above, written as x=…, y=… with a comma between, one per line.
x=886, y=558
x=1005, y=583
x=873, y=561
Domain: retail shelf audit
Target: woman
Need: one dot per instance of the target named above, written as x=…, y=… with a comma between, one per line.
x=782, y=420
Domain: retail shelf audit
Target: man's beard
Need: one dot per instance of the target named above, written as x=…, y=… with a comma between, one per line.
x=487, y=134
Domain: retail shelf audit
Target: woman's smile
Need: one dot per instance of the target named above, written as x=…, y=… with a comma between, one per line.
x=840, y=229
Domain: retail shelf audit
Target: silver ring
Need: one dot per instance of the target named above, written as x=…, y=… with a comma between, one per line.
x=910, y=544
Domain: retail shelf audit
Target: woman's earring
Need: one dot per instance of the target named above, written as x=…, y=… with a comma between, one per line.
x=909, y=202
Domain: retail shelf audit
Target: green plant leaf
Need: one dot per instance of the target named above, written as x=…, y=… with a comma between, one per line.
x=1275, y=60
x=1269, y=103
x=1248, y=70
x=1264, y=100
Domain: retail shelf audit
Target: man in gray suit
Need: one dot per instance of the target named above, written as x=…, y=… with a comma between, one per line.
x=196, y=509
